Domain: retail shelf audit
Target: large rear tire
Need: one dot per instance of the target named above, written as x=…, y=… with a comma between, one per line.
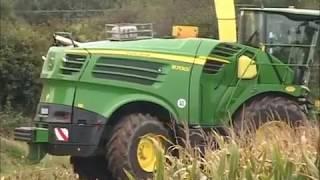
x=264, y=109
x=133, y=146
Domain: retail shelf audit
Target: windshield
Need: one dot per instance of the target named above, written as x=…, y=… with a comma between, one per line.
x=261, y=28
x=290, y=40
x=294, y=41
x=251, y=28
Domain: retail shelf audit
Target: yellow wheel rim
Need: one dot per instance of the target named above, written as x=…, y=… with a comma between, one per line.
x=147, y=149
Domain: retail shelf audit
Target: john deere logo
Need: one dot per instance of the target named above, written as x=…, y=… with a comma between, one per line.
x=290, y=89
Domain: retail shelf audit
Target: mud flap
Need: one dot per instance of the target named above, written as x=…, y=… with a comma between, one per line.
x=36, y=152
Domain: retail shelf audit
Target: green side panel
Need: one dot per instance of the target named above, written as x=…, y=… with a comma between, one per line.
x=207, y=88
x=59, y=75
x=265, y=67
x=266, y=88
x=52, y=62
x=41, y=135
x=195, y=107
x=221, y=111
x=112, y=81
x=58, y=92
x=215, y=97
x=273, y=71
x=56, y=67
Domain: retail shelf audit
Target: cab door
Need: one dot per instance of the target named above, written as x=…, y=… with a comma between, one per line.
x=210, y=82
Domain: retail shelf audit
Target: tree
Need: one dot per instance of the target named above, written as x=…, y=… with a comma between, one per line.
x=6, y=9
x=20, y=65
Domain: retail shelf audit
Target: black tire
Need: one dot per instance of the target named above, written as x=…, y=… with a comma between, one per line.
x=267, y=108
x=90, y=168
x=122, y=146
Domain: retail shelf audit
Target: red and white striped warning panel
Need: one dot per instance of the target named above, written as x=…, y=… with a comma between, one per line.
x=62, y=134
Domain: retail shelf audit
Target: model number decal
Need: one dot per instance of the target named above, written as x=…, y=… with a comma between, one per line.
x=180, y=68
x=181, y=103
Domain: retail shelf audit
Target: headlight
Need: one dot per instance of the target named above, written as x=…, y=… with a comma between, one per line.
x=44, y=111
x=50, y=61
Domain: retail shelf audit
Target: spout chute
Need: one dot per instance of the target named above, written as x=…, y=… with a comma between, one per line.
x=225, y=12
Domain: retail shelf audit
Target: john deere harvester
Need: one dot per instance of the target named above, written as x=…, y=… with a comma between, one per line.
x=111, y=105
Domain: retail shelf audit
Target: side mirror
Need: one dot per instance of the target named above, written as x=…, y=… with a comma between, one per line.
x=44, y=58
x=247, y=68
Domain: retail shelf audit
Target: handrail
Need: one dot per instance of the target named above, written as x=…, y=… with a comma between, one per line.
x=290, y=45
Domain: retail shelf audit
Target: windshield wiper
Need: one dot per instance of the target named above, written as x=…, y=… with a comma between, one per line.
x=254, y=34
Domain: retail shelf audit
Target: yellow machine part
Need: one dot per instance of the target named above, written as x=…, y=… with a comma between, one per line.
x=247, y=68
x=185, y=31
x=147, y=150
x=225, y=12
x=317, y=104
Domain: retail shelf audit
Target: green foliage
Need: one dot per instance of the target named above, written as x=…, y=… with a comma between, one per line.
x=22, y=46
x=62, y=4
x=9, y=120
x=6, y=9
x=286, y=154
x=19, y=64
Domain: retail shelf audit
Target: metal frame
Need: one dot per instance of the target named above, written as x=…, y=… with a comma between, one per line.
x=144, y=31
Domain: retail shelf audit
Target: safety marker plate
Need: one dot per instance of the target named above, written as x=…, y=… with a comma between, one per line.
x=62, y=134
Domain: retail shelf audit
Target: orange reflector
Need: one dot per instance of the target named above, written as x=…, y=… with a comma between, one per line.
x=185, y=31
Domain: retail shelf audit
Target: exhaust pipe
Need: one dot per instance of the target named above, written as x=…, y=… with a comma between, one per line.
x=64, y=40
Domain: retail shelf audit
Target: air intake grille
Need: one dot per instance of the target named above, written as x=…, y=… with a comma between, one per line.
x=212, y=67
x=225, y=50
x=72, y=64
x=135, y=71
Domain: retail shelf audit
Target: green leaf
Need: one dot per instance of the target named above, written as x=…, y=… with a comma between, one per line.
x=129, y=175
x=234, y=161
x=160, y=169
x=221, y=166
x=249, y=174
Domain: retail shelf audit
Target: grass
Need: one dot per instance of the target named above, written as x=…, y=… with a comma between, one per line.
x=15, y=166
x=13, y=162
